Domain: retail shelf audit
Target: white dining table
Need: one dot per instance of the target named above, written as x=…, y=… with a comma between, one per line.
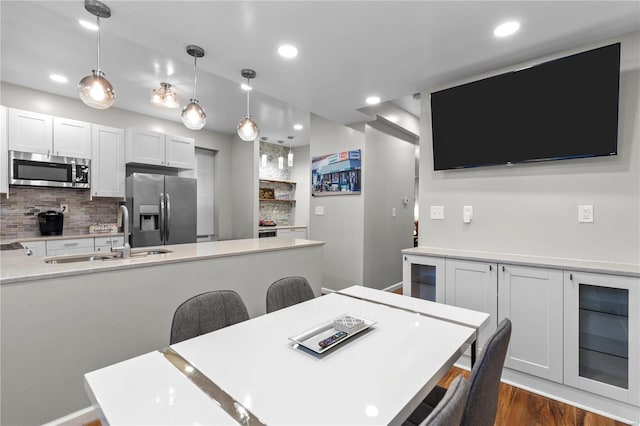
x=252, y=373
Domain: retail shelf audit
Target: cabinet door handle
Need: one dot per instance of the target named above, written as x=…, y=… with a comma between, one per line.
x=570, y=277
x=490, y=267
x=70, y=244
x=503, y=269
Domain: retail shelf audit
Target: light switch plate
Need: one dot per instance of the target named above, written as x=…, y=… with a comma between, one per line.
x=585, y=213
x=319, y=210
x=437, y=212
x=467, y=214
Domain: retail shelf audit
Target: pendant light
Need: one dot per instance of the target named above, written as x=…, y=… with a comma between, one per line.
x=247, y=128
x=165, y=97
x=95, y=90
x=290, y=155
x=193, y=116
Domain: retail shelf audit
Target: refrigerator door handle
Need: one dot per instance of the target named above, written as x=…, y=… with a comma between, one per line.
x=168, y=228
x=161, y=217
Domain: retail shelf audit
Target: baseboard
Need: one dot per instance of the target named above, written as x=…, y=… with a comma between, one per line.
x=78, y=418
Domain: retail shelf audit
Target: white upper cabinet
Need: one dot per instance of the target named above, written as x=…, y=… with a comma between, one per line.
x=30, y=132
x=4, y=152
x=44, y=134
x=158, y=149
x=71, y=138
x=180, y=152
x=107, y=162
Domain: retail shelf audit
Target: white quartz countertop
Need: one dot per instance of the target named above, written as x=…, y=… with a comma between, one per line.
x=267, y=228
x=16, y=266
x=627, y=269
x=60, y=237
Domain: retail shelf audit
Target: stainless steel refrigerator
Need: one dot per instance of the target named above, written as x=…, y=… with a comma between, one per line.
x=162, y=209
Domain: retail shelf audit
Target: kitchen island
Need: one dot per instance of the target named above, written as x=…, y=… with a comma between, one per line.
x=59, y=321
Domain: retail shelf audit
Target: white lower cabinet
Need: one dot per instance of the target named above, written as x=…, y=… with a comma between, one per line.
x=602, y=335
x=473, y=285
x=532, y=299
x=37, y=248
x=105, y=243
x=71, y=246
x=300, y=232
x=423, y=277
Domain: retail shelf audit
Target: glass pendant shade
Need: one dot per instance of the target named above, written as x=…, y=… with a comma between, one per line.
x=96, y=91
x=193, y=116
x=247, y=129
x=281, y=162
x=290, y=159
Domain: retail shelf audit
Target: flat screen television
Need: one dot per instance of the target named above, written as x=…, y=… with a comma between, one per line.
x=564, y=108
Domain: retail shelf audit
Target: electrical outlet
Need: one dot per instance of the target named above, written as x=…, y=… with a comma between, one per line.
x=585, y=214
x=437, y=212
x=64, y=208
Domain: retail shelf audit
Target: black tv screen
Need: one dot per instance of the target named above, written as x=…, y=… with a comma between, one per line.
x=564, y=108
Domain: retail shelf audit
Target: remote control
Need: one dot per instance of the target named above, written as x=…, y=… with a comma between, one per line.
x=332, y=339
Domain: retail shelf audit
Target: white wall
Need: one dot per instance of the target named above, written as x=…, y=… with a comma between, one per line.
x=301, y=174
x=46, y=103
x=533, y=208
x=389, y=163
x=341, y=227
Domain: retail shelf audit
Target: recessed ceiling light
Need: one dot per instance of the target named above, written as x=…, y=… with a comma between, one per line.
x=372, y=100
x=58, y=78
x=88, y=25
x=288, y=51
x=298, y=126
x=506, y=29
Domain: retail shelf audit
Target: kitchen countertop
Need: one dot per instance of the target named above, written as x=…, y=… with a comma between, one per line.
x=595, y=266
x=17, y=267
x=266, y=228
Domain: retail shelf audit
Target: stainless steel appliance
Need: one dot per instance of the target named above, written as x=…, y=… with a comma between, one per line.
x=162, y=209
x=48, y=170
x=50, y=222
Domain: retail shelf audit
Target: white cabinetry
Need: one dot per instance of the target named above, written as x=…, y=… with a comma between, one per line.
x=71, y=138
x=30, y=132
x=532, y=299
x=70, y=246
x=300, y=232
x=423, y=277
x=602, y=335
x=44, y=134
x=37, y=248
x=105, y=243
x=107, y=162
x=473, y=285
x=4, y=152
x=153, y=148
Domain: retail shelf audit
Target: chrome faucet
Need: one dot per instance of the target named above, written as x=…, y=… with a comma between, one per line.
x=126, y=248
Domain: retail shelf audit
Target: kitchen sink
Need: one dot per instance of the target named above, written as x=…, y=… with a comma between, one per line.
x=135, y=253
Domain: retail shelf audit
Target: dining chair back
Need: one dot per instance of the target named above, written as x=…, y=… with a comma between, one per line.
x=484, y=383
x=207, y=312
x=451, y=408
x=288, y=291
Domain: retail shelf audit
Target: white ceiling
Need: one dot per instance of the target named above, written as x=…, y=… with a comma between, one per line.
x=348, y=50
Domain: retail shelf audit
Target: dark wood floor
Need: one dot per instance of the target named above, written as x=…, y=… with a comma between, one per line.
x=522, y=408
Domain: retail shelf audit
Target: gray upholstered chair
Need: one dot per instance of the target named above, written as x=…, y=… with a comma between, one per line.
x=484, y=383
x=207, y=312
x=450, y=409
x=288, y=291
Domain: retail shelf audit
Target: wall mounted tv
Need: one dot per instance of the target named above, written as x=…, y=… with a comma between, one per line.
x=564, y=108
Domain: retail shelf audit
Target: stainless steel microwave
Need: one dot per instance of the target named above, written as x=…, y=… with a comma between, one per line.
x=48, y=170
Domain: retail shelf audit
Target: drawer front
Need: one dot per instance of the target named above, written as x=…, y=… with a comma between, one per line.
x=107, y=241
x=78, y=245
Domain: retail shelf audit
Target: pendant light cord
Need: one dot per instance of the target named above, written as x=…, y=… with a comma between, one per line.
x=248, y=93
x=98, y=61
x=195, y=76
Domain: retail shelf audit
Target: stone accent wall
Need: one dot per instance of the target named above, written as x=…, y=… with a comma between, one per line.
x=281, y=213
x=19, y=212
